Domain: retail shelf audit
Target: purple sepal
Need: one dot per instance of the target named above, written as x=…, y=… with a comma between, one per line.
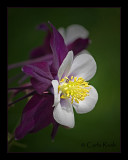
x=78, y=45
x=58, y=48
x=37, y=114
x=41, y=75
x=39, y=68
x=40, y=86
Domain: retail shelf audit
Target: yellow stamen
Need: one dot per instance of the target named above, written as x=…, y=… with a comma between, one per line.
x=62, y=80
x=71, y=77
x=75, y=90
x=75, y=78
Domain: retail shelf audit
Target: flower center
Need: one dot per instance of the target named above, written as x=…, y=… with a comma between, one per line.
x=75, y=89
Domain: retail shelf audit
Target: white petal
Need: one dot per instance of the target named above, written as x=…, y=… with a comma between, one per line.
x=88, y=103
x=75, y=31
x=66, y=65
x=63, y=114
x=56, y=94
x=83, y=66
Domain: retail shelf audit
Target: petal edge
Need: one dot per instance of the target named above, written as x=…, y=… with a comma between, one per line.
x=88, y=104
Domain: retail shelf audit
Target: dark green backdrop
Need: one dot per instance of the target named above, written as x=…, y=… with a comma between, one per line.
x=94, y=131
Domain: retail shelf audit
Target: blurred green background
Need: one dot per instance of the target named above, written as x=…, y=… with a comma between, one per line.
x=101, y=125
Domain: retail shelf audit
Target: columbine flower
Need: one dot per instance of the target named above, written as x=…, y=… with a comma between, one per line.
x=59, y=86
x=72, y=88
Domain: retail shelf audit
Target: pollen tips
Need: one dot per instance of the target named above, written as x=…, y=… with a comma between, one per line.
x=75, y=79
x=75, y=90
x=62, y=80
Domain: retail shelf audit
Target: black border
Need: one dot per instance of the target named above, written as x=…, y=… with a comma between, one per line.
x=124, y=79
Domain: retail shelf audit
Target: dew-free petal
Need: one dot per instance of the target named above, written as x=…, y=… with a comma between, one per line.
x=63, y=113
x=66, y=65
x=73, y=32
x=83, y=66
x=88, y=103
x=56, y=94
